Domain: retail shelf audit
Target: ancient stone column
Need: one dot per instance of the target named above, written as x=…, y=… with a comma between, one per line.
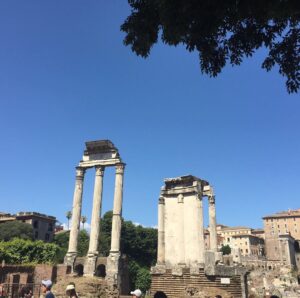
x=90, y=265
x=76, y=214
x=201, y=231
x=181, y=243
x=117, y=211
x=161, y=232
x=212, y=223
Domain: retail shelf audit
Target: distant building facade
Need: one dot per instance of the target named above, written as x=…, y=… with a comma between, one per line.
x=282, y=230
x=43, y=225
x=249, y=242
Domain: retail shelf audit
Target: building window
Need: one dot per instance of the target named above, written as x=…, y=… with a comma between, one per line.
x=50, y=227
x=246, y=242
x=36, y=224
x=246, y=251
x=278, y=226
x=228, y=239
x=47, y=237
x=36, y=235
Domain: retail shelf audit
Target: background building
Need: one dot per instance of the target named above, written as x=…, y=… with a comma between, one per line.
x=43, y=225
x=279, y=226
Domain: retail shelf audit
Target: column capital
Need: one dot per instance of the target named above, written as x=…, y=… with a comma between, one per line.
x=80, y=172
x=161, y=200
x=120, y=168
x=99, y=170
x=211, y=200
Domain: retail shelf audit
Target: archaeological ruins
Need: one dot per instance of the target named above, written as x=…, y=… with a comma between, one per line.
x=184, y=268
x=98, y=155
x=189, y=263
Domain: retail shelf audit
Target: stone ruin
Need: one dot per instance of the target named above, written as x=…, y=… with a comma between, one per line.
x=184, y=268
x=99, y=155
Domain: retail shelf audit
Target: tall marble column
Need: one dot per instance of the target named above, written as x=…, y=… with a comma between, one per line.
x=201, y=230
x=76, y=214
x=212, y=223
x=117, y=211
x=113, y=260
x=90, y=266
x=181, y=242
x=161, y=232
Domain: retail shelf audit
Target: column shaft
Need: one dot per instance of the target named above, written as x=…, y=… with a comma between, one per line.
x=181, y=242
x=201, y=231
x=76, y=212
x=161, y=232
x=117, y=211
x=212, y=224
x=96, y=213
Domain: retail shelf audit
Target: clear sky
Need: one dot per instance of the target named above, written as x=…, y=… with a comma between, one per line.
x=66, y=77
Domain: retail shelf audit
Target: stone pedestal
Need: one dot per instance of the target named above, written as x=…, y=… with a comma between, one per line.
x=90, y=264
x=112, y=270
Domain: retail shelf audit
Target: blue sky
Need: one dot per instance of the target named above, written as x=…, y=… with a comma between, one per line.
x=66, y=77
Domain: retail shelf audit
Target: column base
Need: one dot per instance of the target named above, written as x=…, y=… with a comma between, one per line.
x=112, y=269
x=90, y=263
x=70, y=258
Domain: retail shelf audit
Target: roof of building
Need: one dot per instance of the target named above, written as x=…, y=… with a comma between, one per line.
x=35, y=214
x=236, y=228
x=245, y=235
x=282, y=214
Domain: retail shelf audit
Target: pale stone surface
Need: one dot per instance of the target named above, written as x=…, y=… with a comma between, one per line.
x=183, y=219
x=89, y=268
x=76, y=214
x=161, y=232
x=212, y=223
x=117, y=211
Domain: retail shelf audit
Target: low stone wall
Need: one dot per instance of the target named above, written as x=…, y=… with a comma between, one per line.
x=197, y=285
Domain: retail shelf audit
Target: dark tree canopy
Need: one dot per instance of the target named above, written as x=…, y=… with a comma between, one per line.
x=15, y=229
x=221, y=32
x=226, y=250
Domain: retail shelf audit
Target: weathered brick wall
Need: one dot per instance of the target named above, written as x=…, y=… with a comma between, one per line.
x=177, y=286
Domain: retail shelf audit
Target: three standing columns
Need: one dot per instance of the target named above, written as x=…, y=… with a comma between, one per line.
x=90, y=264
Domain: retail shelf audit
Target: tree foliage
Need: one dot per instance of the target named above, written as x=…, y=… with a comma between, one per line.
x=20, y=251
x=226, y=250
x=15, y=229
x=62, y=241
x=143, y=279
x=221, y=32
x=138, y=243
